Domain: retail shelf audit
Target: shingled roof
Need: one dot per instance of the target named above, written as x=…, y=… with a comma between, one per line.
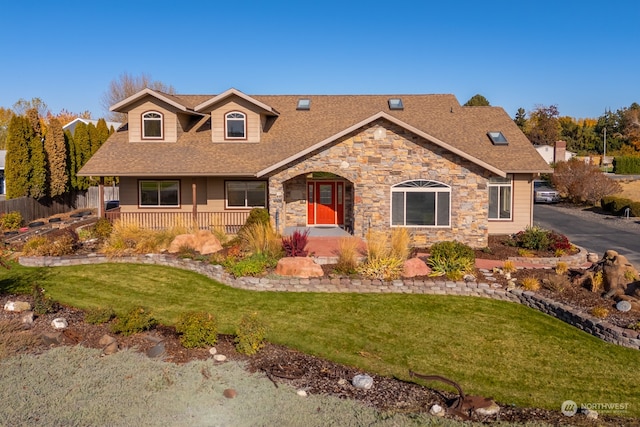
x=438, y=118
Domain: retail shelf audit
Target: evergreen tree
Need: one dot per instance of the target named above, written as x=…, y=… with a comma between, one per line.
x=82, y=148
x=38, y=163
x=56, y=151
x=71, y=160
x=521, y=119
x=477, y=101
x=17, y=166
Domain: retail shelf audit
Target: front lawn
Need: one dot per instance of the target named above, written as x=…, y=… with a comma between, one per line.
x=492, y=348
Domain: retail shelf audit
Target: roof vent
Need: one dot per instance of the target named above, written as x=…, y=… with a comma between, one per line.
x=396, y=104
x=304, y=104
x=497, y=138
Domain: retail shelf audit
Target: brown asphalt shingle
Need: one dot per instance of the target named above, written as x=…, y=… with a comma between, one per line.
x=194, y=154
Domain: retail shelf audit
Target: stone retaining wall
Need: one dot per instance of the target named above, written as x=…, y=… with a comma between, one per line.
x=575, y=260
x=570, y=315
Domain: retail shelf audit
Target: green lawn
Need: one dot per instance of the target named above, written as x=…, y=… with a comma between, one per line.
x=492, y=348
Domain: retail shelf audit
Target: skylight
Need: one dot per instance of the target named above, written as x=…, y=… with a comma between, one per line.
x=304, y=104
x=497, y=138
x=396, y=104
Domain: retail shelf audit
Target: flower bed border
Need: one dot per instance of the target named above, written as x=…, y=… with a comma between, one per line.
x=594, y=326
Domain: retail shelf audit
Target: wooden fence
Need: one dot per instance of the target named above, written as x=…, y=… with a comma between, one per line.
x=32, y=209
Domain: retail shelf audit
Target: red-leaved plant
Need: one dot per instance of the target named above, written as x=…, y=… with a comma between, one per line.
x=295, y=244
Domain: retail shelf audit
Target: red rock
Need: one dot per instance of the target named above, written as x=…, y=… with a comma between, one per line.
x=203, y=241
x=229, y=393
x=415, y=267
x=298, y=267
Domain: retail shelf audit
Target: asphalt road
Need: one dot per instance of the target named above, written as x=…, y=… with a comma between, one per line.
x=591, y=231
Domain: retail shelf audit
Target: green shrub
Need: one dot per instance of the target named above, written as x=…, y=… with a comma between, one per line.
x=533, y=238
x=253, y=265
x=197, y=329
x=36, y=246
x=258, y=216
x=250, y=334
x=99, y=315
x=387, y=268
x=42, y=304
x=66, y=244
x=626, y=165
x=452, y=250
x=138, y=319
x=11, y=220
x=451, y=259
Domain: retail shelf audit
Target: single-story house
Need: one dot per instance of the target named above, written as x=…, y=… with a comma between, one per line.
x=555, y=153
x=360, y=162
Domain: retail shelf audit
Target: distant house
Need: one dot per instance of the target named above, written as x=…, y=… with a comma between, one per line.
x=554, y=154
x=71, y=126
x=360, y=162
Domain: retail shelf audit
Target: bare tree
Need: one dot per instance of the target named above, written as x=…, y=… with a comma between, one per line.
x=126, y=85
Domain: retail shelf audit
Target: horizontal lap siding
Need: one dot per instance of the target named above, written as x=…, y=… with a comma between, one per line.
x=522, y=212
x=253, y=121
x=135, y=122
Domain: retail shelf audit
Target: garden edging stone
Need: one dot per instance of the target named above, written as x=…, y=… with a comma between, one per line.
x=587, y=323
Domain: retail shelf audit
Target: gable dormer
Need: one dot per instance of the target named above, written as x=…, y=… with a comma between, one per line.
x=154, y=116
x=236, y=117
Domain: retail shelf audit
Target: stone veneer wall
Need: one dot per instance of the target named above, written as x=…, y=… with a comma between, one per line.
x=373, y=166
x=599, y=328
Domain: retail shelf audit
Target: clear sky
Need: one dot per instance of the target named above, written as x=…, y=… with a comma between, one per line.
x=581, y=55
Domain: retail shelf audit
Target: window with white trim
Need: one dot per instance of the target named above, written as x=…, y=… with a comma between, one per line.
x=500, y=191
x=246, y=194
x=235, y=125
x=152, y=125
x=156, y=193
x=421, y=203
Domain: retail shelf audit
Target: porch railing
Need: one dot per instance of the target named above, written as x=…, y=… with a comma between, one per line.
x=230, y=221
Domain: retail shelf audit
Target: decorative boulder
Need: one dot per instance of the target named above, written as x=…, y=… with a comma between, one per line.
x=203, y=241
x=415, y=267
x=59, y=323
x=298, y=267
x=17, y=306
x=363, y=381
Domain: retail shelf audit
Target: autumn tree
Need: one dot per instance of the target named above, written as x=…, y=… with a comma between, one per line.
x=17, y=167
x=544, y=126
x=56, y=151
x=5, y=118
x=22, y=106
x=631, y=125
x=125, y=86
x=477, y=101
x=65, y=116
x=582, y=182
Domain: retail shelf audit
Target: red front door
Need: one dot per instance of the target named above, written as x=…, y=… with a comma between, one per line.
x=325, y=203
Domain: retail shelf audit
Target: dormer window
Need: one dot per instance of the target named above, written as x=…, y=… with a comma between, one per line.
x=152, y=125
x=235, y=125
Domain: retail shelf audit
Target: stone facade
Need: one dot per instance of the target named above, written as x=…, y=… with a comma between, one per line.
x=370, y=163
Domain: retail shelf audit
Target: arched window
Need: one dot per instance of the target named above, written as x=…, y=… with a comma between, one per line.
x=152, y=125
x=421, y=203
x=235, y=125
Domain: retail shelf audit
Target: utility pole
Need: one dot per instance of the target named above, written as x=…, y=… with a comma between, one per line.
x=605, y=142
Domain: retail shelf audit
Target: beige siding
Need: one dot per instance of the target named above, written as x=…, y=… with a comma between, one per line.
x=254, y=121
x=129, y=195
x=170, y=121
x=522, y=209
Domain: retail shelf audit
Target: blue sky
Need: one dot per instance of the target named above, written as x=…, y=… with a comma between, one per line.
x=583, y=56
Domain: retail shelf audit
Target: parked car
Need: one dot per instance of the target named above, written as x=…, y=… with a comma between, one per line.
x=544, y=193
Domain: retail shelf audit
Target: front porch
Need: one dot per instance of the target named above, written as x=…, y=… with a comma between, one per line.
x=230, y=221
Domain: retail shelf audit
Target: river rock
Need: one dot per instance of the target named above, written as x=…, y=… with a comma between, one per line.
x=363, y=381
x=17, y=306
x=437, y=410
x=219, y=357
x=59, y=323
x=27, y=319
x=229, y=393
x=623, y=305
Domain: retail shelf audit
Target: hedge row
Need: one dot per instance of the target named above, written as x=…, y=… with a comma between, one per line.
x=618, y=205
x=626, y=165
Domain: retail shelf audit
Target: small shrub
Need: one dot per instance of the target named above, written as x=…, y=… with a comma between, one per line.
x=250, y=334
x=102, y=228
x=599, y=312
x=558, y=242
x=11, y=220
x=530, y=284
x=533, y=238
x=138, y=319
x=451, y=259
x=596, y=282
x=197, y=329
x=561, y=267
x=509, y=266
x=389, y=268
x=634, y=326
x=348, y=255
x=99, y=315
x=42, y=304
x=15, y=339
x=186, y=251
x=294, y=245
x=253, y=265
x=526, y=253
x=377, y=245
x=258, y=216
x=559, y=253
x=260, y=238
x=36, y=246
x=452, y=250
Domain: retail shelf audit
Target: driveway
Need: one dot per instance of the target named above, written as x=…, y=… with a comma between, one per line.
x=592, y=231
